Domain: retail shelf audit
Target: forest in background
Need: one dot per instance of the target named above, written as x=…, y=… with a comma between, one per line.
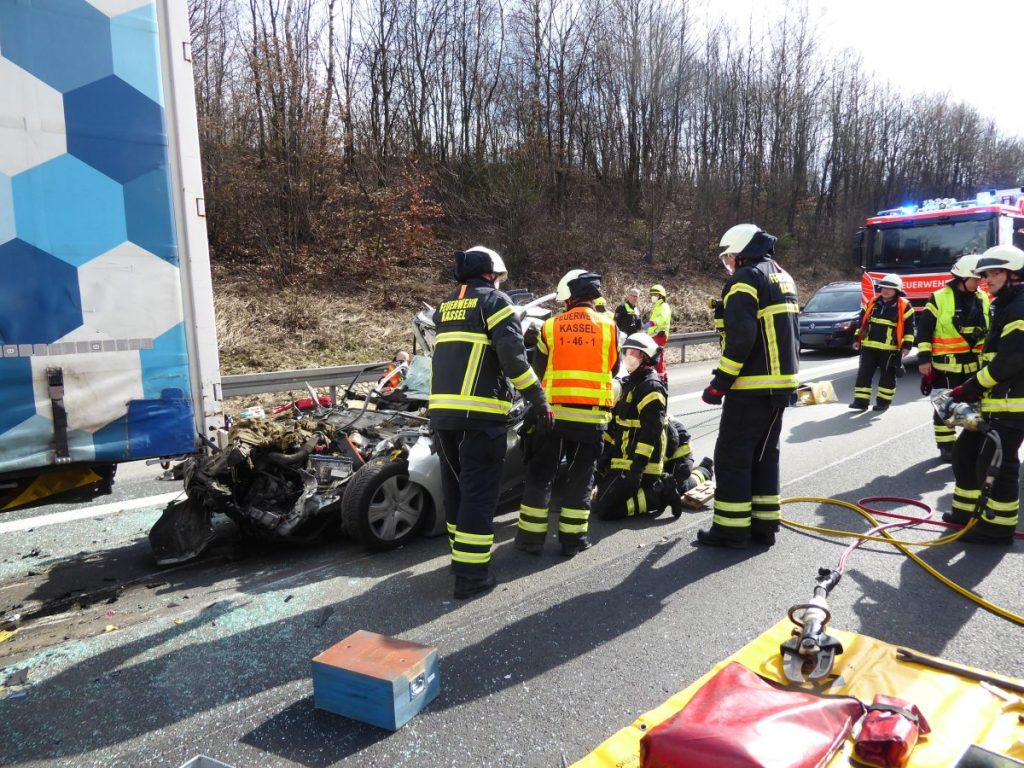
x=352, y=144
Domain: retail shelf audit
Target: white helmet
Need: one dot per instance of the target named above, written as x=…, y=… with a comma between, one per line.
x=1006, y=257
x=644, y=343
x=562, y=292
x=477, y=261
x=890, y=281
x=737, y=238
x=965, y=265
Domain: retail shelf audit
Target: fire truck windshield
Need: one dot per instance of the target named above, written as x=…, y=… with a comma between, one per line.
x=926, y=243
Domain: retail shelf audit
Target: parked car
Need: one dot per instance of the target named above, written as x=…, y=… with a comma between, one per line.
x=829, y=319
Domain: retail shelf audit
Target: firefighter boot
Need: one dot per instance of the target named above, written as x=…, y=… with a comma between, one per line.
x=471, y=586
x=573, y=548
x=531, y=543
x=712, y=538
x=859, y=404
x=670, y=495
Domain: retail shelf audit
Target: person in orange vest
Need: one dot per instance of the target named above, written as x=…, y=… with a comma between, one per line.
x=885, y=337
x=575, y=358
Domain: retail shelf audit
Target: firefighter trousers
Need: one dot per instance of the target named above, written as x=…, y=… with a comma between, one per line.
x=972, y=455
x=617, y=498
x=872, y=360
x=747, y=467
x=471, y=462
x=581, y=458
x=945, y=435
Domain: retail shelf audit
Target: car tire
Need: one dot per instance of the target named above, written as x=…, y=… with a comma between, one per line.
x=382, y=508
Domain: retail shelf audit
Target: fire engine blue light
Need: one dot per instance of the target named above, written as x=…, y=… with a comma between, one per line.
x=984, y=198
x=907, y=210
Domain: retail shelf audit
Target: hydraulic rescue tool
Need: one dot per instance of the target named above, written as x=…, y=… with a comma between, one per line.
x=810, y=653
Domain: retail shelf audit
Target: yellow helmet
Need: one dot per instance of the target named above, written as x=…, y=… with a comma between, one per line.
x=659, y=289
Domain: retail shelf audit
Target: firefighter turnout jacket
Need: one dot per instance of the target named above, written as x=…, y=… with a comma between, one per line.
x=760, y=332
x=576, y=356
x=478, y=358
x=1001, y=381
x=886, y=325
x=951, y=329
x=636, y=433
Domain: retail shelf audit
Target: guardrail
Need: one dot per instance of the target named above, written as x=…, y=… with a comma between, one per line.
x=342, y=375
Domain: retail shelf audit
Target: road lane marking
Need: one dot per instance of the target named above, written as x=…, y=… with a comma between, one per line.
x=842, y=365
x=99, y=510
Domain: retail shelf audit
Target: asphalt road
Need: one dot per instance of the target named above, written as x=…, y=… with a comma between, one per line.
x=214, y=658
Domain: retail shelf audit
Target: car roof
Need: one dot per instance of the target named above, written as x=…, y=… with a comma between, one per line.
x=845, y=285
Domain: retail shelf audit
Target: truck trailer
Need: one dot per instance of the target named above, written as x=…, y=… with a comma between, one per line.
x=108, y=347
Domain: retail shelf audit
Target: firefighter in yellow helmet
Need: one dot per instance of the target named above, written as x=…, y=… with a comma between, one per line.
x=951, y=332
x=576, y=357
x=659, y=324
x=478, y=359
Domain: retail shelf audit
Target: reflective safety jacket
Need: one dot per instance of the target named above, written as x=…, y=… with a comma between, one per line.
x=576, y=356
x=1002, y=378
x=628, y=319
x=886, y=325
x=951, y=329
x=760, y=332
x=478, y=358
x=661, y=318
x=636, y=433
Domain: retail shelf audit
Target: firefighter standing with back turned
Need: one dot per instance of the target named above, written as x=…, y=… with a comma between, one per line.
x=951, y=332
x=576, y=355
x=478, y=357
x=884, y=338
x=756, y=376
x=1000, y=387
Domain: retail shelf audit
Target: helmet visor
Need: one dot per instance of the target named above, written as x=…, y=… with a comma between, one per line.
x=728, y=260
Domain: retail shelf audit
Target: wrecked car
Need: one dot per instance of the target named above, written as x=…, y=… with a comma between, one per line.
x=366, y=465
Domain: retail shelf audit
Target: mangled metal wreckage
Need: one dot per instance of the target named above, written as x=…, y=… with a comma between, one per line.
x=366, y=465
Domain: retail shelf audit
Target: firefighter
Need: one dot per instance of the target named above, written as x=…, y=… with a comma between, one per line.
x=576, y=356
x=757, y=378
x=478, y=358
x=659, y=324
x=627, y=314
x=635, y=440
x=950, y=334
x=679, y=460
x=884, y=338
x=999, y=385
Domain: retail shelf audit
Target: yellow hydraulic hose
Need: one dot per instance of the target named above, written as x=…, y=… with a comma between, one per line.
x=902, y=546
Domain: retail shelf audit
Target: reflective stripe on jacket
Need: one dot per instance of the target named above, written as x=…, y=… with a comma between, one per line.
x=887, y=325
x=943, y=326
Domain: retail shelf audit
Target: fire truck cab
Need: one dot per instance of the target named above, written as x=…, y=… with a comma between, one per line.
x=920, y=242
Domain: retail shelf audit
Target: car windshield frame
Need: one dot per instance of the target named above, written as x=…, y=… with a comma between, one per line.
x=930, y=242
x=829, y=299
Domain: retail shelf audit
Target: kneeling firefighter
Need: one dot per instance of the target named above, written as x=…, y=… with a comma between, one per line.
x=1000, y=388
x=756, y=376
x=575, y=357
x=635, y=440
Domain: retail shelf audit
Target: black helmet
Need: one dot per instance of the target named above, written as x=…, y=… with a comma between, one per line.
x=585, y=286
x=477, y=261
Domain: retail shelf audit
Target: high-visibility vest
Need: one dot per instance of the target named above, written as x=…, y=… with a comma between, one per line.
x=581, y=345
x=661, y=318
x=901, y=310
x=948, y=341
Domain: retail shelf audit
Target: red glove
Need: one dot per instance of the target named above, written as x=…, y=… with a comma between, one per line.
x=958, y=395
x=926, y=383
x=712, y=395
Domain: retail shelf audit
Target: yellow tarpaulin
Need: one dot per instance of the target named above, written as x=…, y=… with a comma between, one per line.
x=960, y=711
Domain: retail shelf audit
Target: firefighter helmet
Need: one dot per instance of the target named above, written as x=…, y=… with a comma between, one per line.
x=1006, y=257
x=965, y=265
x=562, y=292
x=477, y=261
x=659, y=290
x=890, y=281
x=747, y=241
x=585, y=286
x=643, y=342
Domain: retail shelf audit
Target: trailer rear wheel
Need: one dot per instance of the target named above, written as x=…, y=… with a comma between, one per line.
x=382, y=508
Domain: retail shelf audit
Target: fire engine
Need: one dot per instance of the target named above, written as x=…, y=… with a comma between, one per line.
x=920, y=242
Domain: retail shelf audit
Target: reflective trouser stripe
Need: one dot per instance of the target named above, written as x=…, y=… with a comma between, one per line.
x=533, y=519
x=944, y=434
x=472, y=548
x=1002, y=512
x=862, y=393
x=732, y=514
x=573, y=520
x=965, y=499
x=451, y=533
x=766, y=507
x=637, y=505
x=884, y=393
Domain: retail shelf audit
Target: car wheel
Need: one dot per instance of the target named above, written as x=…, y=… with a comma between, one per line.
x=382, y=508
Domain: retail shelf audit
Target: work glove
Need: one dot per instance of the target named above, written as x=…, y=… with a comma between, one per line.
x=545, y=419
x=964, y=393
x=927, y=382
x=635, y=476
x=712, y=395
